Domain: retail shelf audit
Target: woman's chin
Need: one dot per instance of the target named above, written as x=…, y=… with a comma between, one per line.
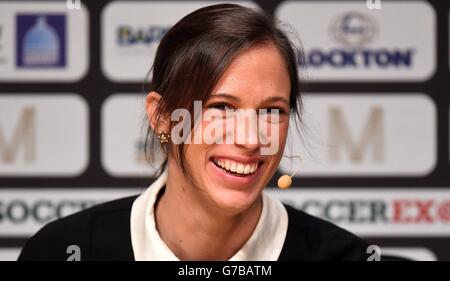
x=233, y=201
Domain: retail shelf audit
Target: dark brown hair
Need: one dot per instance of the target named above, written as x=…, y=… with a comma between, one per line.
x=196, y=51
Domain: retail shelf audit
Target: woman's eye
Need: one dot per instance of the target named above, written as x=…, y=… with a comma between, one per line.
x=220, y=106
x=272, y=111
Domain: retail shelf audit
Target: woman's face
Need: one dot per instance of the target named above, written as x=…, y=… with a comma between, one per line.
x=232, y=175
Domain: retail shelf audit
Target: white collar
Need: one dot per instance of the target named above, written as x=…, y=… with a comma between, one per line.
x=264, y=244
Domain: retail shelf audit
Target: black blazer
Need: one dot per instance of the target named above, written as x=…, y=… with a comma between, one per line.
x=102, y=232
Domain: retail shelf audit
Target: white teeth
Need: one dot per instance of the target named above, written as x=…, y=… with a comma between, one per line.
x=237, y=167
x=247, y=169
x=233, y=167
x=240, y=169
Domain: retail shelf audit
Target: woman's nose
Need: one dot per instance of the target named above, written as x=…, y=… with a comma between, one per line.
x=247, y=132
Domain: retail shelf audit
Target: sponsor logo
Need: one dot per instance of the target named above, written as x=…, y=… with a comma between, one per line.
x=41, y=40
x=361, y=135
x=37, y=138
x=350, y=42
x=397, y=211
x=128, y=36
x=355, y=31
x=382, y=212
x=131, y=32
x=25, y=211
x=24, y=136
x=41, y=211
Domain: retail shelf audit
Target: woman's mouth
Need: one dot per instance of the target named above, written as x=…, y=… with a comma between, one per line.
x=235, y=168
x=236, y=172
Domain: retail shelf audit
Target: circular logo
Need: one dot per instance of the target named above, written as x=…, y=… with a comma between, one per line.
x=354, y=29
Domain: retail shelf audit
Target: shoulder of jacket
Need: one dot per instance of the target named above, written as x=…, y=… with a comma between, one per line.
x=52, y=240
x=310, y=237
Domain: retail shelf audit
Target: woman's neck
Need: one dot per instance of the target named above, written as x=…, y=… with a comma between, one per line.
x=196, y=230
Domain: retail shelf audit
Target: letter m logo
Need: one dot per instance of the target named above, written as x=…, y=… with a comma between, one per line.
x=373, y=4
x=23, y=136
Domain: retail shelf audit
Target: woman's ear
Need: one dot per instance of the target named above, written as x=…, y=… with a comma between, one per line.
x=151, y=105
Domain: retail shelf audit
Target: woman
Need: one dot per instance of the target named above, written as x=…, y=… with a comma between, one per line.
x=208, y=203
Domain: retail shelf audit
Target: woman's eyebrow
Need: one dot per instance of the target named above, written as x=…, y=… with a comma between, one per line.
x=225, y=95
x=277, y=98
x=236, y=98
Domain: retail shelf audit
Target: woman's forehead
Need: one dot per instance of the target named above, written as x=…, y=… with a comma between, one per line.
x=260, y=69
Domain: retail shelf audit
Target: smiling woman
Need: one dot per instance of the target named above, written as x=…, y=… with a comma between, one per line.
x=208, y=201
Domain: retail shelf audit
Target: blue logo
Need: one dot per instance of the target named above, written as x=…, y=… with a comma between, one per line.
x=355, y=32
x=354, y=29
x=41, y=40
x=130, y=36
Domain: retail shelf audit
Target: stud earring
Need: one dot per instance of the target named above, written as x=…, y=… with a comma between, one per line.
x=163, y=136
